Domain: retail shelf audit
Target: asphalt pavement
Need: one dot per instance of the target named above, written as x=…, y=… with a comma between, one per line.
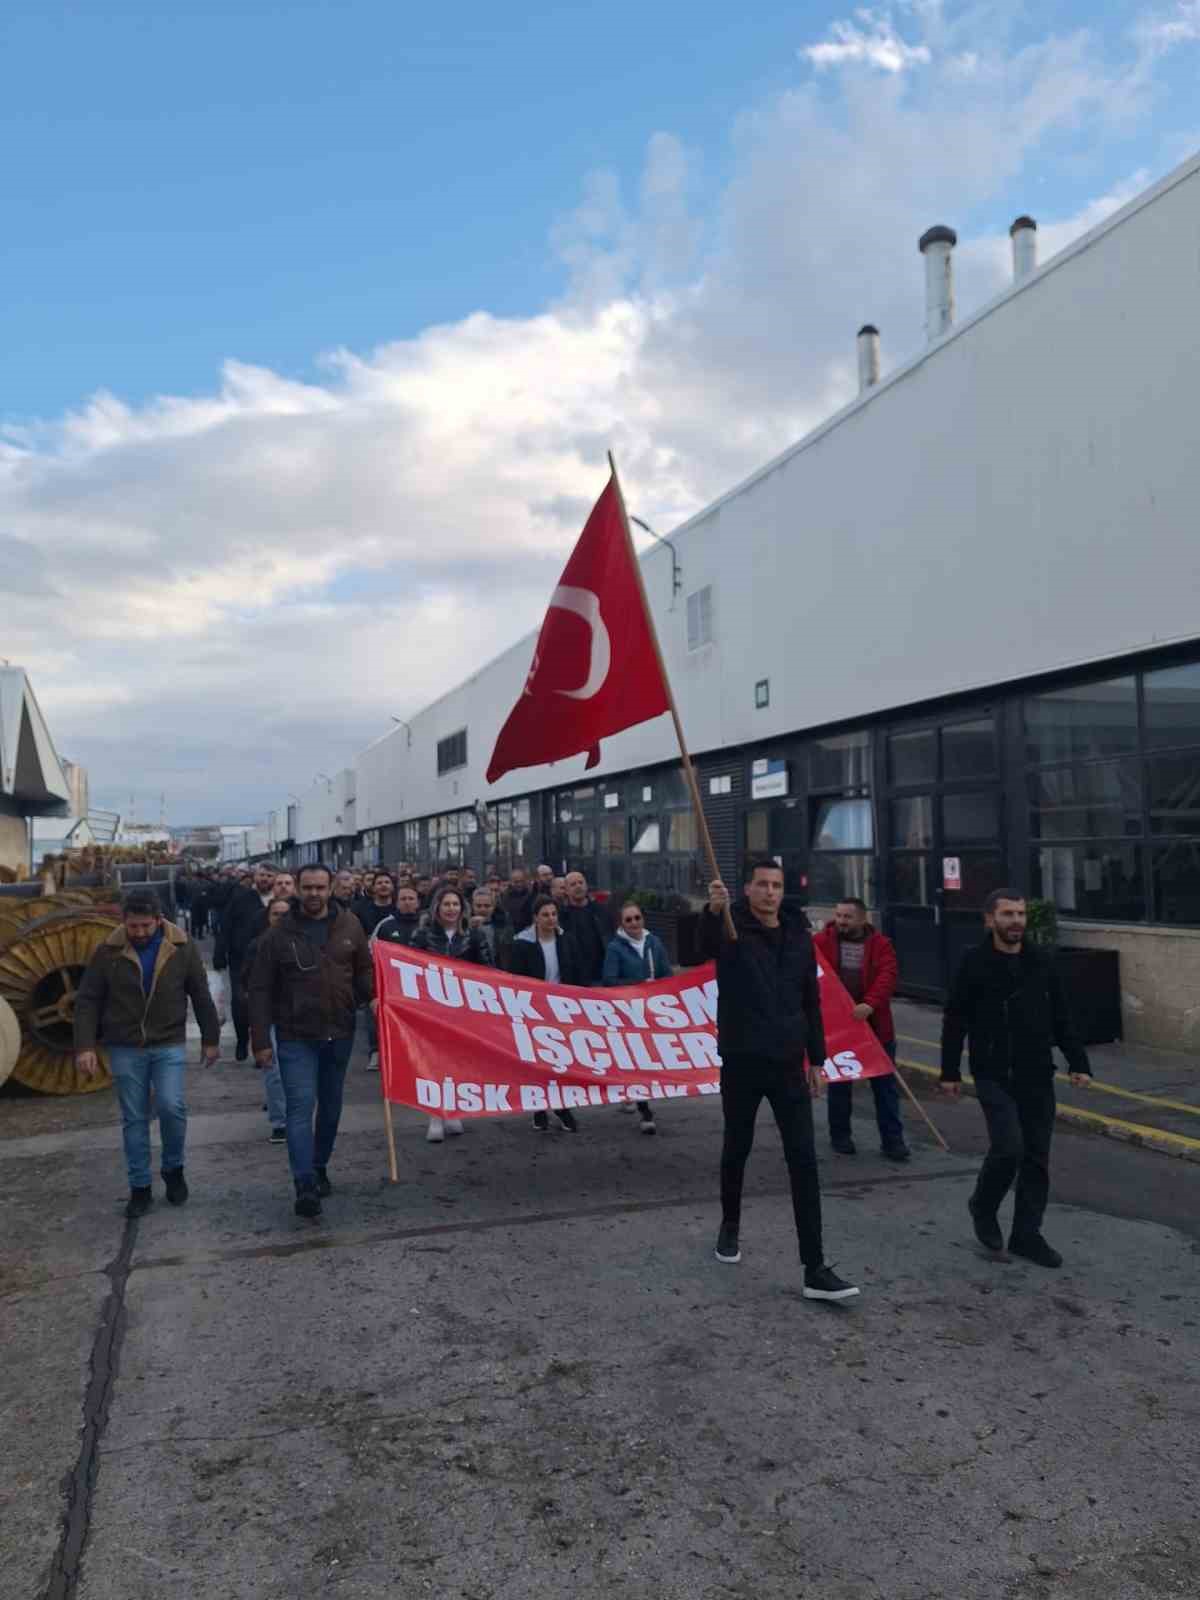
x=521, y=1373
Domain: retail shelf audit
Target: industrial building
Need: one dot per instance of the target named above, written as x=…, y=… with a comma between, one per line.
x=949, y=640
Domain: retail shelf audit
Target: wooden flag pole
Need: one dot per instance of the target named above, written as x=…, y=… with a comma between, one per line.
x=689, y=772
x=393, y=1169
x=920, y=1108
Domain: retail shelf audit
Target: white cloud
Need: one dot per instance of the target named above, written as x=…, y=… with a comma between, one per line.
x=872, y=40
x=1162, y=31
x=218, y=596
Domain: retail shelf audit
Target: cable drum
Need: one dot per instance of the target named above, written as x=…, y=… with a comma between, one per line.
x=40, y=973
x=10, y=1040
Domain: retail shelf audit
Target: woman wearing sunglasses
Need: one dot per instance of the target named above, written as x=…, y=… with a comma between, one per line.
x=636, y=955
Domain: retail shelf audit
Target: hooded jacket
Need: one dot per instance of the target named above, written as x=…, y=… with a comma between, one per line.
x=112, y=1007
x=622, y=964
x=880, y=974
x=307, y=991
x=1013, y=1011
x=768, y=1001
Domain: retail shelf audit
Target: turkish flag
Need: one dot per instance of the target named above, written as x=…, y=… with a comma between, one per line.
x=596, y=667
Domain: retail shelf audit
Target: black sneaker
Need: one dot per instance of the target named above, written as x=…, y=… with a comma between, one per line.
x=278, y=1136
x=541, y=1122
x=177, y=1189
x=844, y=1147
x=140, y=1201
x=566, y=1121
x=896, y=1152
x=823, y=1283
x=1035, y=1249
x=324, y=1187
x=987, y=1229
x=728, y=1249
x=242, y=1053
x=647, y=1124
x=308, y=1201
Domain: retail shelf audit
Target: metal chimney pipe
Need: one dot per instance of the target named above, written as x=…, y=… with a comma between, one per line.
x=868, y=357
x=937, y=245
x=1023, y=234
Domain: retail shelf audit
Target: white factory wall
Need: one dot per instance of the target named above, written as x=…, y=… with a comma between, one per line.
x=1020, y=498
x=327, y=810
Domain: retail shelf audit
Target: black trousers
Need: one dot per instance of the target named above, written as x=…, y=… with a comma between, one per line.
x=1020, y=1122
x=238, y=1004
x=745, y=1082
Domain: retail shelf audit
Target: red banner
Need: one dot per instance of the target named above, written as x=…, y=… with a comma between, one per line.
x=459, y=1040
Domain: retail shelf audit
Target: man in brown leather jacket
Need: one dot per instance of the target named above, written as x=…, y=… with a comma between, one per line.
x=311, y=973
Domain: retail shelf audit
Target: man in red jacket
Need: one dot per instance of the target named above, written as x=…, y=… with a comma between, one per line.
x=865, y=961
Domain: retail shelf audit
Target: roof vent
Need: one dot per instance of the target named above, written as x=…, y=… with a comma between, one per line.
x=937, y=246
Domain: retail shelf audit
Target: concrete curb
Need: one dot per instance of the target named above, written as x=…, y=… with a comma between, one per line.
x=1167, y=1144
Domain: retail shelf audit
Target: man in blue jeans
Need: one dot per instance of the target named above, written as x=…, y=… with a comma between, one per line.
x=312, y=970
x=134, y=997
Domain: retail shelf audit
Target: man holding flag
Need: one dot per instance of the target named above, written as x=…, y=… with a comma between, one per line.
x=769, y=1012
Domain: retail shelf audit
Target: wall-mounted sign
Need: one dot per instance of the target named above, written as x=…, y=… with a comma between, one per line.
x=611, y=802
x=769, y=780
x=951, y=872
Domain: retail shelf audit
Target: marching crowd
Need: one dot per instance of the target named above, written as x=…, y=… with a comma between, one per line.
x=296, y=950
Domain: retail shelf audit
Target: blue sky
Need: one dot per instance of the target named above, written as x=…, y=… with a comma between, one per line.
x=322, y=315
x=202, y=180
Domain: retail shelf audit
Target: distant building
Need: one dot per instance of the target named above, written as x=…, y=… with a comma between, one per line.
x=32, y=780
x=53, y=835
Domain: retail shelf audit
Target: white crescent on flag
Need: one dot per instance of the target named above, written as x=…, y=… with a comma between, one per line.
x=586, y=604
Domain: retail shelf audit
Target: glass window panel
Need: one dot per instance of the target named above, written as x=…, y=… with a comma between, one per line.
x=646, y=835
x=789, y=826
x=912, y=822
x=912, y=757
x=1094, y=719
x=832, y=878
x=969, y=749
x=757, y=832
x=982, y=871
x=1092, y=880
x=912, y=879
x=670, y=788
x=970, y=818
x=843, y=825
x=612, y=838
x=1099, y=801
x=1176, y=870
x=1172, y=699
x=1174, y=793
x=842, y=761
x=682, y=830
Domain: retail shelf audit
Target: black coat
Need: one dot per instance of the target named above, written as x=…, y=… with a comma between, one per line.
x=1013, y=1011
x=589, y=929
x=517, y=906
x=527, y=961
x=370, y=914
x=243, y=919
x=456, y=947
x=768, y=1000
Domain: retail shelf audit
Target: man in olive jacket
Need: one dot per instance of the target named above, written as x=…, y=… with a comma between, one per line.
x=134, y=997
x=311, y=973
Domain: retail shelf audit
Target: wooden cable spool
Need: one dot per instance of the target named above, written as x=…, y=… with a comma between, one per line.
x=10, y=1040
x=40, y=972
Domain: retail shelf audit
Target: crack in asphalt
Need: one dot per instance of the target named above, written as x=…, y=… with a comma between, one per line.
x=79, y=1484
x=352, y=1240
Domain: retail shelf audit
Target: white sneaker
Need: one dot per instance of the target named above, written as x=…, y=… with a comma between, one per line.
x=373, y=1061
x=453, y=1125
x=436, y=1131
x=627, y=1106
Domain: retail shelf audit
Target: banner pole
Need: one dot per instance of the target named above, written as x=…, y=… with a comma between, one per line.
x=689, y=772
x=920, y=1108
x=393, y=1169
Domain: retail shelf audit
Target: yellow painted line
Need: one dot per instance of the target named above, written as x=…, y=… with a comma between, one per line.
x=1131, y=1132
x=1095, y=1088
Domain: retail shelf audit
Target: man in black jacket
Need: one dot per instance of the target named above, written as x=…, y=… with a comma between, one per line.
x=1008, y=1001
x=404, y=920
x=587, y=926
x=768, y=1020
x=517, y=901
x=243, y=919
